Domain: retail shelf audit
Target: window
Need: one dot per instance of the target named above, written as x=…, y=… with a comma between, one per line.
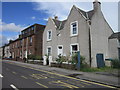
x=16, y=45
x=32, y=28
x=20, y=43
x=119, y=42
x=49, y=35
x=74, y=28
x=30, y=38
x=74, y=48
x=49, y=51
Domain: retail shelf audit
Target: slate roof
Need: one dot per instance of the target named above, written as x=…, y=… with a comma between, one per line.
x=115, y=35
x=88, y=15
x=59, y=24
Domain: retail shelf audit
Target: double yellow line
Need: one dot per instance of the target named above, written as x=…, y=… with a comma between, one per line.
x=64, y=76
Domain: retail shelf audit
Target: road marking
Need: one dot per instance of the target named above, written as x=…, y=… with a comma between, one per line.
x=64, y=76
x=41, y=84
x=1, y=76
x=24, y=77
x=13, y=86
x=60, y=83
x=38, y=76
x=14, y=72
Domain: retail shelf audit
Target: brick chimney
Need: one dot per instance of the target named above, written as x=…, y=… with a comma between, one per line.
x=97, y=5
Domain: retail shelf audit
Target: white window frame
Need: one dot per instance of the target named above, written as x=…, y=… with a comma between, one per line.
x=48, y=35
x=71, y=28
x=60, y=46
x=72, y=45
x=47, y=49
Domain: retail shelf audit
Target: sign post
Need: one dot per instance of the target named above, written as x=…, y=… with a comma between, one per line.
x=78, y=64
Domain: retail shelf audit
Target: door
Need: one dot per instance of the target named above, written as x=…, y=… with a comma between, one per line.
x=60, y=50
x=100, y=60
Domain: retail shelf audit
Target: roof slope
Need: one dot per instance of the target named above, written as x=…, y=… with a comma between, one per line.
x=115, y=35
x=59, y=24
x=87, y=15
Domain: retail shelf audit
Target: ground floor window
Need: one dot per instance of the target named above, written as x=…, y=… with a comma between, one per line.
x=49, y=50
x=74, y=48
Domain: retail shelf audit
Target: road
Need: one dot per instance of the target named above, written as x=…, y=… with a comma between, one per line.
x=20, y=77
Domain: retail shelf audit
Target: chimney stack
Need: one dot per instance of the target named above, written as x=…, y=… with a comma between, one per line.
x=97, y=5
x=56, y=17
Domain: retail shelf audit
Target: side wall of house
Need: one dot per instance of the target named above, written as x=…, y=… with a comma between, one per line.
x=100, y=31
x=113, y=48
x=82, y=39
x=52, y=43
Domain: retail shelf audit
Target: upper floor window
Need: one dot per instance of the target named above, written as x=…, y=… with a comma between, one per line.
x=32, y=28
x=49, y=35
x=74, y=28
x=20, y=42
x=30, y=38
x=119, y=41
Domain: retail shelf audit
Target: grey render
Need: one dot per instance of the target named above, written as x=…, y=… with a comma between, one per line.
x=93, y=34
x=1, y=52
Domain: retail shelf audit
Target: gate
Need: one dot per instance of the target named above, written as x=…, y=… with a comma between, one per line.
x=100, y=60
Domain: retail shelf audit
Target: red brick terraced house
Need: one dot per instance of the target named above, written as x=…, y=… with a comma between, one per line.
x=29, y=42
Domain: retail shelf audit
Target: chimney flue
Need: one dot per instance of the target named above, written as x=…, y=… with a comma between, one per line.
x=56, y=17
x=97, y=5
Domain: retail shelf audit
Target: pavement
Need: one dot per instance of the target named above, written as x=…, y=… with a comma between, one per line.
x=101, y=79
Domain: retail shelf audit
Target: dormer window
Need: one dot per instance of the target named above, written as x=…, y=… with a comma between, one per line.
x=74, y=28
x=49, y=35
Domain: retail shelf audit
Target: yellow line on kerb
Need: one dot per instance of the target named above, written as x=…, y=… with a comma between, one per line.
x=41, y=85
x=65, y=76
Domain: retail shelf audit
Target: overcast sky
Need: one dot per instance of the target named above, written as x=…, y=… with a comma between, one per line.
x=18, y=15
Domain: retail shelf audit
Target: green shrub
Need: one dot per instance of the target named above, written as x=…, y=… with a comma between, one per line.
x=38, y=58
x=74, y=60
x=34, y=57
x=61, y=59
x=115, y=63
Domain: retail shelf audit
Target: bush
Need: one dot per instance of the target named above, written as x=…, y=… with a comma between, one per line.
x=74, y=60
x=34, y=57
x=61, y=59
x=38, y=58
x=115, y=63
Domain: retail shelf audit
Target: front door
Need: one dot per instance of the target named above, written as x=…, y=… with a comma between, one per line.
x=60, y=50
x=100, y=60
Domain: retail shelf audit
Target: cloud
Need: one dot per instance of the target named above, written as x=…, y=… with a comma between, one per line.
x=55, y=9
x=45, y=19
x=3, y=40
x=62, y=9
x=10, y=27
x=33, y=18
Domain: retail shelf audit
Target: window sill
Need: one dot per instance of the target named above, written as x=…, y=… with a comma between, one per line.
x=49, y=40
x=74, y=35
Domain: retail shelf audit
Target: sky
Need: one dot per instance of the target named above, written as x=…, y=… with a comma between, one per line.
x=18, y=15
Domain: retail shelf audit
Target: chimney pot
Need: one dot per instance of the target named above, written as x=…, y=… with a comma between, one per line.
x=56, y=17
